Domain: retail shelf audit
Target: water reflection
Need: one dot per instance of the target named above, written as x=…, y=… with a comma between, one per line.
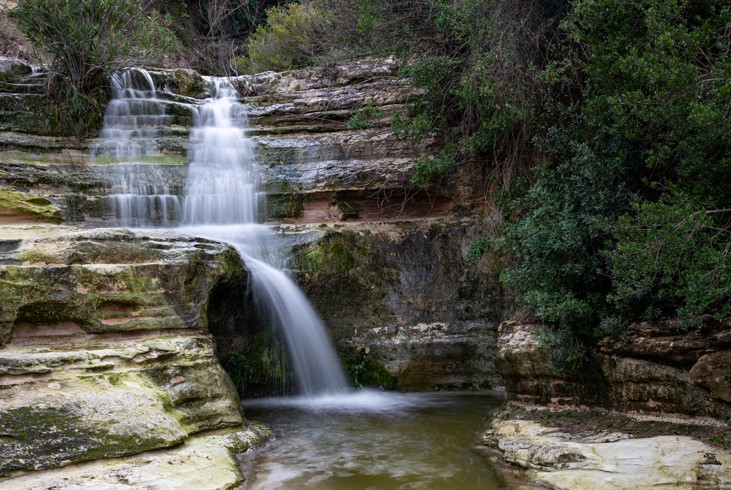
x=372, y=440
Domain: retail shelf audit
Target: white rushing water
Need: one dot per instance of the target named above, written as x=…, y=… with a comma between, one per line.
x=222, y=190
x=222, y=201
x=133, y=119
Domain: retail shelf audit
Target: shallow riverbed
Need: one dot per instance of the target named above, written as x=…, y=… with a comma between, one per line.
x=373, y=440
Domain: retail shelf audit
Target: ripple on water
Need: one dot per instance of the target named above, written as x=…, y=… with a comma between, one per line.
x=372, y=440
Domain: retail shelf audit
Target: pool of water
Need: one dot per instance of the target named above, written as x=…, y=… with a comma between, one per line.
x=370, y=440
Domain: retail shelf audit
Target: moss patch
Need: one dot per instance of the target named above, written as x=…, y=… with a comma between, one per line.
x=364, y=372
x=344, y=275
x=26, y=205
x=260, y=367
x=39, y=438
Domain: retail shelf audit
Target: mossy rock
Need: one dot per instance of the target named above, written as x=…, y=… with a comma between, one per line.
x=188, y=83
x=13, y=70
x=344, y=275
x=285, y=206
x=27, y=206
x=82, y=420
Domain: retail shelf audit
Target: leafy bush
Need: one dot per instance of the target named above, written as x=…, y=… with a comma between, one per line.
x=561, y=276
x=671, y=256
x=430, y=168
x=291, y=38
x=637, y=90
x=477, y=249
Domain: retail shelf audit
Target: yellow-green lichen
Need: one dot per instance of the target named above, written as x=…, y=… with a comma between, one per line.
x=29, y=206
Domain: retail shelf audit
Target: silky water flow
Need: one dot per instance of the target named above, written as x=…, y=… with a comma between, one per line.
x=134, y=118
x=221, y=201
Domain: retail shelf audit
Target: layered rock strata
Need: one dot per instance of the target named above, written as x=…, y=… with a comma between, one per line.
x=104, y=348
x=656, y=368
x=322, y=136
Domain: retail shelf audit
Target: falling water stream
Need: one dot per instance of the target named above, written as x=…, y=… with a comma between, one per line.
x=221, y=201
x=328, y=437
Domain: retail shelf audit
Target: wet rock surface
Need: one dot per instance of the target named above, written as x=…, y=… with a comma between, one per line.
x=399, y=297
x=589, y=449
x=105, y=349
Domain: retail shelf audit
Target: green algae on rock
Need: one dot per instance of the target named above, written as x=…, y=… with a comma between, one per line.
x=205, y=462
x=17, y=206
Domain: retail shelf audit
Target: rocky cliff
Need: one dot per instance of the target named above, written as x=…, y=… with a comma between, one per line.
x=327, y=154
x=107, y=344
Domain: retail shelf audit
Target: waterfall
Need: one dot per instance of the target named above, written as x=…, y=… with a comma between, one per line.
x=222, y=201
x=133, y=119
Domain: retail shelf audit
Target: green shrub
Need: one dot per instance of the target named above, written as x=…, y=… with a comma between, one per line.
x=365, y=116
x=477, y=249
x=561, y=275
x=630, y=217
x=291, y=38
x=672, y=257
x=432, y=167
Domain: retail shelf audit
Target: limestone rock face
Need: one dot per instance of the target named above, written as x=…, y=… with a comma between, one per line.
x=609, y=461
x=713, y=371
x=105, y=350
x=322, y=138
x=401, y=295
x=203, y=462
x=651, y=372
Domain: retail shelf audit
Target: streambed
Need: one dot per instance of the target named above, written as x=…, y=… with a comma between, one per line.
x=373, y=440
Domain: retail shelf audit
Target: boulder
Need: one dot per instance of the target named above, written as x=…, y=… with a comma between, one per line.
x=203, y=462
x=571, y=461
x=105, y=350
x=713, y=371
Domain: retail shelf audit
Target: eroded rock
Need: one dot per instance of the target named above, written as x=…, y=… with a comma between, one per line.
x=105, y=349
x=205, y=462
x=23, y=207
x=612, y=378
x=713, y=371
x=402, y=292
x=580, y=459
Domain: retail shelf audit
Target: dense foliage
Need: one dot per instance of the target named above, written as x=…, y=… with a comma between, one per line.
x=605, y=128
x=648, y=86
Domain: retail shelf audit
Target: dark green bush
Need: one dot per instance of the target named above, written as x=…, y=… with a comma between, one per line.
x=632, y=222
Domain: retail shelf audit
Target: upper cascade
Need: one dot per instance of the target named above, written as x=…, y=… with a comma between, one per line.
x=133, y=118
